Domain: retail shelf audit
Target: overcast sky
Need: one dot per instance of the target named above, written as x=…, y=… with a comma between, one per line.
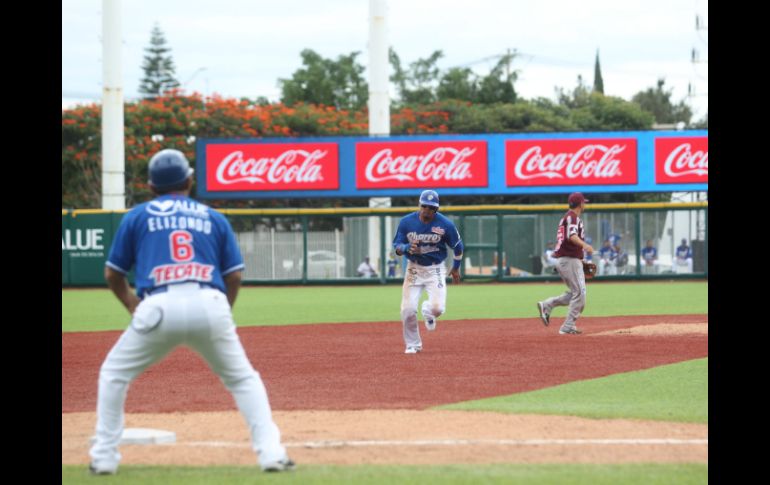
x=240, y=48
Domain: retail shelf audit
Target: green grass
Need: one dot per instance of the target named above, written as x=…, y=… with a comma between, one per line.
x=631, y=474
x=676, y=392
x=89, y=310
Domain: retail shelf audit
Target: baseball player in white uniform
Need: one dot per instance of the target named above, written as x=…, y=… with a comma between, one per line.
x=423, y=237
x=188, y=273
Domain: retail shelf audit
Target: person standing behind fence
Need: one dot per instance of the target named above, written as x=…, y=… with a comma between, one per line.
x=683, y=258
x=365, y=269
x=607, y=259
x=570, y=246
x=423, y=237
x=650, y=257
x=621, y=260
x=188, y=273
x=392, y=263
x=549, y=261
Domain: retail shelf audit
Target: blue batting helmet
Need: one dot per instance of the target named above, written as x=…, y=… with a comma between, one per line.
x=429, y=197
x=168, y=168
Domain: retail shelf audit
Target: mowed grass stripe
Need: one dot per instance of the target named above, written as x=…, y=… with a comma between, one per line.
x=675, y=392
x=97, y=309
x=629, y=474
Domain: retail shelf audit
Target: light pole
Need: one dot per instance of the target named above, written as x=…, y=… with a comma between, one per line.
x=197, y=71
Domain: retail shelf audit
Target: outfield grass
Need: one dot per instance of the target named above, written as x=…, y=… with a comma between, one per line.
x=675, y=392
x=90, y=310
x=631, y=474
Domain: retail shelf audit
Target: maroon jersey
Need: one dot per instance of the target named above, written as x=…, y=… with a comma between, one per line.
x=570, y=224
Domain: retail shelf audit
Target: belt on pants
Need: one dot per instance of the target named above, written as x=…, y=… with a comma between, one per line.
x=164, y=288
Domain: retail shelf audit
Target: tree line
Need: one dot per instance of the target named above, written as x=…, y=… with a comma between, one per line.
x=341, y=83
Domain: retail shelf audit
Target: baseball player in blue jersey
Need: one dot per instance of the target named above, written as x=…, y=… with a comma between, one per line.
x=188, y=273
x=423, y=237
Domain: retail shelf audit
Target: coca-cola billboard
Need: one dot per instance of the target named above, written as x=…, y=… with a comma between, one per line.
x=610, y=161
x=682, y=160
x=435, y=164
x=235, y=167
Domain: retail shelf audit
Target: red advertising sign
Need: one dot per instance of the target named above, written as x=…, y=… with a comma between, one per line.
x=421, y=164
x=682, y=160
x=610, y=161
x=235, y=167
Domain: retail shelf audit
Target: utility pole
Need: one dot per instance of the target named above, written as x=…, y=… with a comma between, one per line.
x=113, y=144
x=379, y=118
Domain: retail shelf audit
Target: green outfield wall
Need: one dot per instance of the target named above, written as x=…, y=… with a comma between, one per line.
x=502, y=242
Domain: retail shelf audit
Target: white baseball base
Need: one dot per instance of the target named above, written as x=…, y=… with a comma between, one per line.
x=144, y=436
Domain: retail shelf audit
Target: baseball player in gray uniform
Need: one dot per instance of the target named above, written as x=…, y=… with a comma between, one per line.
x=570, y=245
x=188, y=273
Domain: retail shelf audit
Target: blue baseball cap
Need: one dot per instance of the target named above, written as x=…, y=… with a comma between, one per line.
x=429, y=197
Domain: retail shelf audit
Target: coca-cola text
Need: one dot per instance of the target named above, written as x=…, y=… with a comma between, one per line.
x=272, y=166
x=416, y=164
x=570, y=162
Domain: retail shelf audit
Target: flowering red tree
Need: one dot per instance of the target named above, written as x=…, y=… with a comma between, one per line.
x=175, y=120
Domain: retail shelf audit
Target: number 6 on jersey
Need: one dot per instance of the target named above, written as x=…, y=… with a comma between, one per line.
x=181, y=246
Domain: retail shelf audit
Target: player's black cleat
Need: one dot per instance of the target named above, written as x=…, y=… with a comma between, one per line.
x=545, y=317
x=285, y=465
x=94, y=471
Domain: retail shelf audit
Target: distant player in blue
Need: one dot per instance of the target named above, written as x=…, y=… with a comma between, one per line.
x=423, y=236
x=650, y=258
x=188, y=273
x=392, y=263
x=608, y=257
x=683, y=258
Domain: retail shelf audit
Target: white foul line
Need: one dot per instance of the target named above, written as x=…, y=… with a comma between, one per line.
x=531, y=442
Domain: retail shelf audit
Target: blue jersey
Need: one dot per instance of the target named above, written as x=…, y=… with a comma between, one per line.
x=173, y=239
x=432, y=238
x=608, y=253
x=649, y=254
x=683, y=252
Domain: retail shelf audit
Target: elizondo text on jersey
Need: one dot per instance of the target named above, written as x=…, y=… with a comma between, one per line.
x=181, y=222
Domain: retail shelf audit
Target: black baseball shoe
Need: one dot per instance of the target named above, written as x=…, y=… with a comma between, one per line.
x=95, y=471
x=285, y=465
x=544, y=316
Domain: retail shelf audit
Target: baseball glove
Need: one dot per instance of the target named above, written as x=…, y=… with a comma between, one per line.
x=589, y=269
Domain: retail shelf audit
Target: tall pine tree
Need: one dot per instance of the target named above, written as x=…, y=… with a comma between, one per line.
x=158, y=67
x=598, y=81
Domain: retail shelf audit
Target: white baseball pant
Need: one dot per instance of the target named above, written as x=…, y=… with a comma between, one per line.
x=571, y=272
x=201, y=319
x=417, y=278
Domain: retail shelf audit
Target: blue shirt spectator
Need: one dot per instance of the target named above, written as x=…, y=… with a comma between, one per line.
x=392, y=263
x=683, y=251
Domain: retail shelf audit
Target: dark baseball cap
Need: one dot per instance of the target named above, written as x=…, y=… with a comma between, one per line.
x=576, y=198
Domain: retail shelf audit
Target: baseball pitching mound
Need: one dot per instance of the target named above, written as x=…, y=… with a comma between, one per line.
x=661, y=329
x=401, y=436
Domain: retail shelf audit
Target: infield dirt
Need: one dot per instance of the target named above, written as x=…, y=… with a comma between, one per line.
x=352, y=383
